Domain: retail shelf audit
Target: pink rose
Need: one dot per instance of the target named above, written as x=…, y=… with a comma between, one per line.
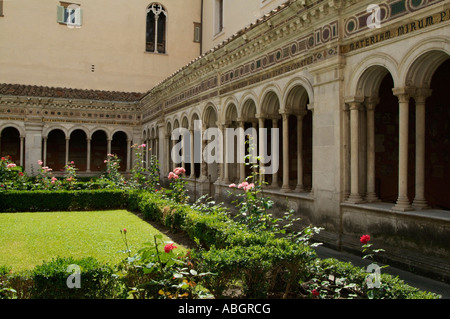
x=40, y=162
x=249, y=187
x=242, y=185
x=11, y=165
x=232, y=185
x=172, y=175
x=179, y=171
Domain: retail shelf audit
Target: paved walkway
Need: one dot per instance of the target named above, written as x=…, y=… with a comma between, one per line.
x=423, y=283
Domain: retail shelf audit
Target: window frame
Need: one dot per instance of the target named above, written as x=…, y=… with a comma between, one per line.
x=1, y=8
x=62, y=10
x=219, y=10
x=156, y=30
x=197, y=26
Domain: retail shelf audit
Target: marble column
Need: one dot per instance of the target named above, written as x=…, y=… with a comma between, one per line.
x=242, y=147
x=21, y=150
x=88, y=159
x=204, y=165
x=355, y=196
x=262, y=139
x=128, y=155
x=192, y=158
x=44, y=160
x=275, y=173
x=67, y=151
x=285, y=187
x=108, y=146
x=403, y=203
x=300, y=186
x=347, y=160
x=371, y=195
x=419, y=198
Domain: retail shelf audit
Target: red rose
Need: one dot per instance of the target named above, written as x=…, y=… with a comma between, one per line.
x=315, y=293
x=364, y=239
x=169, y=247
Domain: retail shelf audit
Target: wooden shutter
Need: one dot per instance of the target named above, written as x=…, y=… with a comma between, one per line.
x=78, y=17
x=60, y=14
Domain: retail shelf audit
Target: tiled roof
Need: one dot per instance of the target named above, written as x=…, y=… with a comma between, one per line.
x=57, y=92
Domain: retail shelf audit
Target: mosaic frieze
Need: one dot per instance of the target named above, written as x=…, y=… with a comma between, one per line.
x=389, y=11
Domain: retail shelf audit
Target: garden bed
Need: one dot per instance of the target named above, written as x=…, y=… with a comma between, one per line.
x=245, y=255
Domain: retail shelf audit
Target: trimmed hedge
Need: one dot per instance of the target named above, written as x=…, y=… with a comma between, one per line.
x=40, y=201
x=97, y=280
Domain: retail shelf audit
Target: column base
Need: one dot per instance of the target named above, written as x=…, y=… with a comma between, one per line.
x=402, y=205
x=372, y=198
x=299, y=189
x=420, y=204
x=285, y=189
x=355, y=199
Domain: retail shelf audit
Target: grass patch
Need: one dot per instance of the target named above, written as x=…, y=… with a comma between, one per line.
x=28, y=239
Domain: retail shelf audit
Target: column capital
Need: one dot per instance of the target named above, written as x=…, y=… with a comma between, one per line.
x=403, y=93
x=284, y=115
x=371, y=102
x=421, y=94
x=353, y=99
x=354, y=102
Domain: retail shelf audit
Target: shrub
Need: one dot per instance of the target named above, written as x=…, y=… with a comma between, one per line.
x=97, y=280
x=19, y=201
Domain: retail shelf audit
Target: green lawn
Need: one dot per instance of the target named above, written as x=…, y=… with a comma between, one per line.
x=28, y=239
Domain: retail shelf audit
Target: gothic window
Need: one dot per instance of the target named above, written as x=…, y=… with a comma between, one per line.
x=156, y=28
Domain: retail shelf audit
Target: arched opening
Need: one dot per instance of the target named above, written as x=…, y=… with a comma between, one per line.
x=10, y=144
x=78, y=149
x=56, y=150
x=437, y=140
x=231, y=166
x=300, y=139
x=250, y=123
x=99, y=149
x=386, y=142
x=270, y=110
x=119, y=147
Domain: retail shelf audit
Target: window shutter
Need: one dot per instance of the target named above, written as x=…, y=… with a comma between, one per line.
x=60, y=14
x=78, y=17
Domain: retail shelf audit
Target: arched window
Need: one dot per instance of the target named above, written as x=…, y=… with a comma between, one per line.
x=156, y=28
